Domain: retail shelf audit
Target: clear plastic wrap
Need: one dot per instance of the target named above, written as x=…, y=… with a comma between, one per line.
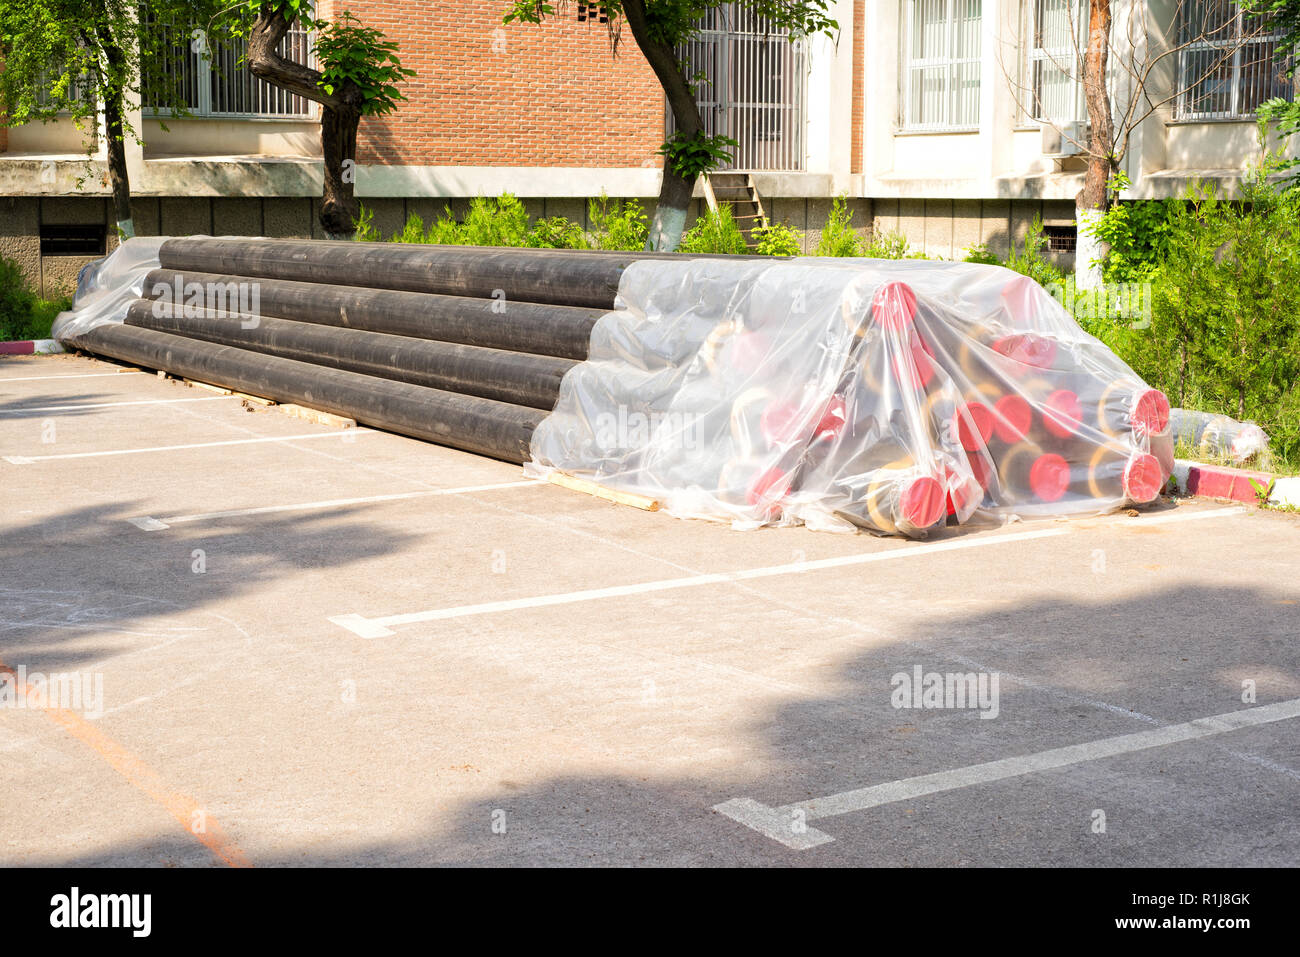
x=886, y=395
x=1218, y=435
x=106, y=287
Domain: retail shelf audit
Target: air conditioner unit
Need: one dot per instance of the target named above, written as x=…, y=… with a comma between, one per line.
x=1065, y=138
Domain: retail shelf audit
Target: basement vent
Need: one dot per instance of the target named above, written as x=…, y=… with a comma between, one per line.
x=592, y=13
x=74, y=240
x=1061, y=239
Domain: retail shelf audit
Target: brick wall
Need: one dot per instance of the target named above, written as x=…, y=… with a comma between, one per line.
x=520, y=95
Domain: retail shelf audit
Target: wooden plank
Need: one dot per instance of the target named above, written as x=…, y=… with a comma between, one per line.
x=643, y=502
x=708, y=194
x=317, y=416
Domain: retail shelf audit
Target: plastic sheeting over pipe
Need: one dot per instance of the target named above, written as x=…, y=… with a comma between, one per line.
x=886, y=395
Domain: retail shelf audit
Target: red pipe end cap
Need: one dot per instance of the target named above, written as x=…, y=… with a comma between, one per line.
x=1151, y=412
x=973, y=422
x=1143, y=478
x=1049, y=477
x=1014, y=417
x=1028, y=349
x=769, y=489
x=923, y=502
x=894, y=305
x=1062, y=413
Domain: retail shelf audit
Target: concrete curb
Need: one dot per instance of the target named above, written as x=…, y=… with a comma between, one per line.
x=1218, y=481
x=30, y=347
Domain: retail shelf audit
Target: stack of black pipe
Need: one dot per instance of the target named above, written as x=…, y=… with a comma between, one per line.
x=464, y=346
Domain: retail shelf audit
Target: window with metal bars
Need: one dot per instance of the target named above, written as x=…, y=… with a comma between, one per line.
x=1226, y=62
x=1058, y=32
x=212, y=81
x=941, y=71
x=752, y=86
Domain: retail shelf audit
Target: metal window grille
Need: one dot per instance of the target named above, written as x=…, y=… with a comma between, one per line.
x=751, y=86
x=941, y=72
x=1058, y=29
x=1226, y=64
x=211, y=80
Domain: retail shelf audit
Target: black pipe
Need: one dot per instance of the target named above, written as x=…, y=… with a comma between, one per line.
x=513, y=377
x=497, y=429
x=557, y=276
x=531, y=327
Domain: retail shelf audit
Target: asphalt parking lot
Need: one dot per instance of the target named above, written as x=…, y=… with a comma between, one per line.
x=300, y=644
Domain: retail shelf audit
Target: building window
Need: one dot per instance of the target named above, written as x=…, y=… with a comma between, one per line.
x=1226, y=65
x=1058, y=33
x=212, y=80
x=751, y=86
x=941, y=73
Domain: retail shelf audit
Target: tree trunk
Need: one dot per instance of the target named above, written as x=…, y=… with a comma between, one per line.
x=339, y=208
x=1094, y=198
x=340, y=117
x=675, y=190
x=118, y=178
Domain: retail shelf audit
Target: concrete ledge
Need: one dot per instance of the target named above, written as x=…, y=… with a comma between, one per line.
x=30, y=347
x=1216, y=481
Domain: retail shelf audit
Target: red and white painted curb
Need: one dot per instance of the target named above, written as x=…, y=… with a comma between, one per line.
x=1239, y=485
x=30, y=347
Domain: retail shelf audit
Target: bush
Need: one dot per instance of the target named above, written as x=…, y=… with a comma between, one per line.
x=778, y=240
x=23, y=314
x=502, y=221
x=838, y=236
x=1138, y=234
x=714, y=232
x=889, y=245
x=1225, y=331
x=622, y=227
x=1029, y=260
x=557, y=233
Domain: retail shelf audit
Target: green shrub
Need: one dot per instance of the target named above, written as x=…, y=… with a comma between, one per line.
x=838, y=236
x=1138, y=234
x=979, y=253
x=1028, y=259
x=366, y=231
x=23, y=314
x=502, y=221
x=557, y=233
x=888, y=244
x=714, y=232
x=778, y=239
x=412, y=232
x=624, y=226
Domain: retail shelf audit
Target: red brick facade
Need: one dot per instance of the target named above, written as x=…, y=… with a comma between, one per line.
x=520, y=95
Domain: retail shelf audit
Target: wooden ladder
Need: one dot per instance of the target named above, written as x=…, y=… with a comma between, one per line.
x=738, y=191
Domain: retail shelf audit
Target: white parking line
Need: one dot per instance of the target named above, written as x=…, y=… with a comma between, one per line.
x=381, y=627
x=104, y=405
x=787, y=824
x=78, y=375
x=150, y=524
x=29, y=459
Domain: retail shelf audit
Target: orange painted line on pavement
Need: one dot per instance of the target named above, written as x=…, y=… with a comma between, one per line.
x=143, y=778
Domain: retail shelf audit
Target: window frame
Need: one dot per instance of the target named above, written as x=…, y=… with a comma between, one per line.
x=951, y=122
x=1239, y=76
